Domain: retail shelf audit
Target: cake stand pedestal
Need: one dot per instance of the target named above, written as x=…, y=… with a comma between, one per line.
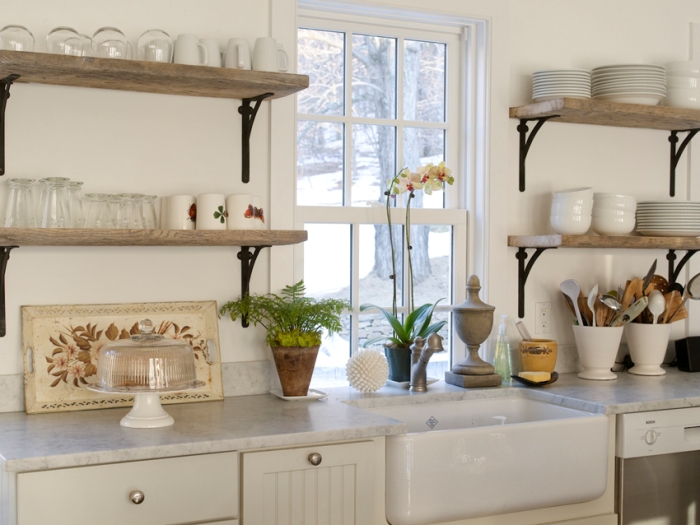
x=147, y=412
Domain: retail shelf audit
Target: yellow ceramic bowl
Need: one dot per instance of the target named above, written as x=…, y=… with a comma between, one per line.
x=538, y=355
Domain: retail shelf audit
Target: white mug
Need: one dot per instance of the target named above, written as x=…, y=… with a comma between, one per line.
x=181, y=212
x=189, y=50
x=245, y=212
x=267, y=55
x=211, y=211
x=237, y=54
x=213, y=51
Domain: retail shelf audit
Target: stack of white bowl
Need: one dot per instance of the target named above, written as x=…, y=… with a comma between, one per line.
x=571, y=211
x=557, y=83
x=669, y=219
x=613, y=214
x=629, y=83
x=683, y=84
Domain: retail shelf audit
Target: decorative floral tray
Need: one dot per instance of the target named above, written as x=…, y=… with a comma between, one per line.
x=61, y=345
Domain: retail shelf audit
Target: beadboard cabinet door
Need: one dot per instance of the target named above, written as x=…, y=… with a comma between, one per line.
x=283, y=487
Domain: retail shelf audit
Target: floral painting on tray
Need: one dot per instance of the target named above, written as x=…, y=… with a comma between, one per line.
x=62, y=343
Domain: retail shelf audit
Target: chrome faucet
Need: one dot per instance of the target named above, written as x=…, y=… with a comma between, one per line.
x=420, y=357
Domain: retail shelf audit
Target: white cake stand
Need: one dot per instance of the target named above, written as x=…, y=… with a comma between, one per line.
x=147, y=411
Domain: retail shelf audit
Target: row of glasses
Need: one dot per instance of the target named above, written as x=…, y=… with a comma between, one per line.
x=133, y=211
x=59, y=204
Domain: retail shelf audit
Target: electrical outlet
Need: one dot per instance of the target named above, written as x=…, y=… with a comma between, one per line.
x=543, y=313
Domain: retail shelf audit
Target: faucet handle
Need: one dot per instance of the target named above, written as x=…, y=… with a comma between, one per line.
x=435, y=342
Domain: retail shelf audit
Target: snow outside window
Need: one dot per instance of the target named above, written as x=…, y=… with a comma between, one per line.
x=381, y=98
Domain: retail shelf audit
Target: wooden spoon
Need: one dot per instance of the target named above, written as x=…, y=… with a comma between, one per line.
x=585, y=311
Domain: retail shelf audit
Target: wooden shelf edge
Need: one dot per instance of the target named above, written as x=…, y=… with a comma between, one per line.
x=98, y=237
x=603, y=241
x=604, y=113
x=148, y=77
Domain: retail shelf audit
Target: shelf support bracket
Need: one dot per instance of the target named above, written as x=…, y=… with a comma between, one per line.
x=524, y=272
x=5, y=84
x=673, y=273
x=676, y=154
x=526, y=142
x=247, y=263
x=248, y=114
x=4, y=257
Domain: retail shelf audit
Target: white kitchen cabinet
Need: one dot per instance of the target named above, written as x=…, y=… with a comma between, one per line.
x=189, y=489
x=283, y=487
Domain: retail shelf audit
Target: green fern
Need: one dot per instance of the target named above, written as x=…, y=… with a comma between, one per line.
x=290, y=318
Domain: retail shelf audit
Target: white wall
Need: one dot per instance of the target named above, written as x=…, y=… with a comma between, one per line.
x=127, y=142
x=548, y=34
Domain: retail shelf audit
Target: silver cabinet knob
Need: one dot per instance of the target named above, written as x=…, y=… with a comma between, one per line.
x=315, y=458
x=137, y=497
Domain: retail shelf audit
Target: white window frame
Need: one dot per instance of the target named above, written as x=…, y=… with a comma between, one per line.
x=453, y=214
x=475, y=145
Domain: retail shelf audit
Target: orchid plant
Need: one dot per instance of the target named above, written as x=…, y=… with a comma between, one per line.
x=427, y=178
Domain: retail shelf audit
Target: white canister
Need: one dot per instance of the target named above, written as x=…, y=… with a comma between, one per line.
x=597, y=347
x=647, y=344
x=181, y=212
x=211, y=211
x=245, y=212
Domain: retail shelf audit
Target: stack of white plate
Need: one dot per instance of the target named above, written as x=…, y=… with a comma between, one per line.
x=629, y=83
x=557, y=83
x=669, y=219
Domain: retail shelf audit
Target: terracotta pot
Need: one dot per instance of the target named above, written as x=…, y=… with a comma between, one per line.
x=295, y=366
x=399, y=363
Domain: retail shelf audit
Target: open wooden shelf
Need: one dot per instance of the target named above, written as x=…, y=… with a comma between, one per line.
x=104, y=237
x=148, y=77
x=604, y=113
x=603, y=241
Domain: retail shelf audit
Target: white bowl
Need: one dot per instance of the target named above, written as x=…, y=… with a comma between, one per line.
x=597, y=348
x=570, y=224
x=560, y=208
x=612, y=225
x=647, y=344
x=617, y=196
x=683, y=98
x=683, y=66
x=614, y=204
x=611, y=213
x=579, y=193
x=683, y=82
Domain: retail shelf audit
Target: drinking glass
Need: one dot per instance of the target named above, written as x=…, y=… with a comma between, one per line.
x=54, y=211
x=75, y=204
x=64, y=41
x=114, y=203
x=88, y=46
x=98, y=212
x=131, y=215
x=111, y=43
x=20, y=204
x=16, y=38
x=149, y=212
x=155, y=46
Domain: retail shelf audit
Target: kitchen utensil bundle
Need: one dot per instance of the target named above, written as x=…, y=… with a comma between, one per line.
x=613, y=214
x=668, y=219
x=683, y=84
x=551, y=84
x=571, y=211
x=629, y=83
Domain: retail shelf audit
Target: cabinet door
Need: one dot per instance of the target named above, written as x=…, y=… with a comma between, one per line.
x=282, y=487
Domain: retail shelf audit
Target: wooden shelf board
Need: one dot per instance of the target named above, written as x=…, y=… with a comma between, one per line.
x=603, y=241
x=603, y=113
x=148, y=77
x=95, y=237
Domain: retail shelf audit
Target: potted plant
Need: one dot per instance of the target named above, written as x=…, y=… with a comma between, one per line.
x=294, y=324
x=427, y=178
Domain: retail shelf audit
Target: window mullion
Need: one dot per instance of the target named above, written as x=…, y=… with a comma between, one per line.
x=355, y=286
x=399, y=103
x=348, y=156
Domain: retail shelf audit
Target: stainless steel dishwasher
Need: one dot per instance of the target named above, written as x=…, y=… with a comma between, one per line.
x=658, y=467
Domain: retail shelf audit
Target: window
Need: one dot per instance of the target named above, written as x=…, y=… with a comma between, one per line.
x=381, y=98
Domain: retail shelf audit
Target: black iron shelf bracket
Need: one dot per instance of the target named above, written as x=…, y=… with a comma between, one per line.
x=4, y=257
x=673, y=270
x=247, y=263
x=677, y=153
x=524, y=272
x=526, y=142
x=248, y=119
x=5, y=84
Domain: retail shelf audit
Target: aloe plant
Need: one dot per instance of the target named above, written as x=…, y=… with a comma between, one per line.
x=417, y=324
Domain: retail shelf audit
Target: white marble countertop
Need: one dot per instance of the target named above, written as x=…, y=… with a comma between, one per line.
x=71, y=439
x=628, y=393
